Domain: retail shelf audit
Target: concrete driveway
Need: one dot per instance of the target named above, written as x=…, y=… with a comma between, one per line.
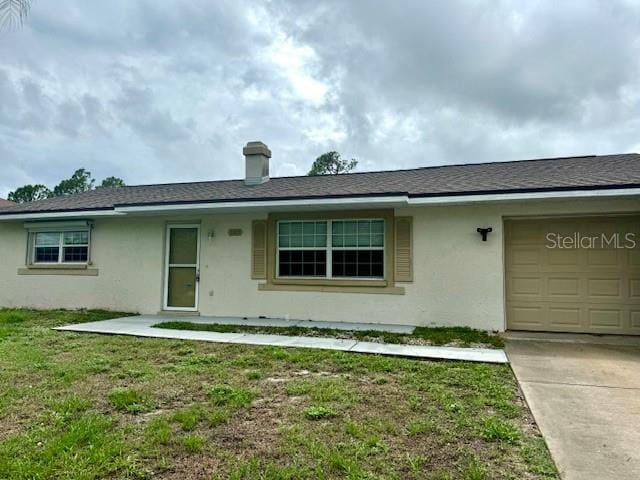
x=586, y=400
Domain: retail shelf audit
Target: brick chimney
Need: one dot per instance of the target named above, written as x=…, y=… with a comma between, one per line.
x=256, y=158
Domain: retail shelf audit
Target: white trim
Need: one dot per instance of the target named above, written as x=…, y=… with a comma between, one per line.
x=265, y=204
x=506, y=197
x=60, y=246
x=59, y=226
x=70, y=214
x=329, y=249
x=165, y=300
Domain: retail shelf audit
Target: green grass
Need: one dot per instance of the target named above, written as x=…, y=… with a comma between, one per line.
x=84, y=406
x=318, y=412
x=130, y=400
x=460, y=336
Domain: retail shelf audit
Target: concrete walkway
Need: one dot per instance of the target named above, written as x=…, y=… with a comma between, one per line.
x=141, y=326
x=586, y=400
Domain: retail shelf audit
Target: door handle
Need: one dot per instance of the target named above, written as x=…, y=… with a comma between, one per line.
x=197, y=275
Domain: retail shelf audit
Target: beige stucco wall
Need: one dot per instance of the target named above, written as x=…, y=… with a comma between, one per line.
x=458, y=279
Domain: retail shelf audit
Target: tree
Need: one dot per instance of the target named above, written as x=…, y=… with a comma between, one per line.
x=13, y=13
x=79, y=182
x=112, y=182
x=330, y=163
x=29, y=193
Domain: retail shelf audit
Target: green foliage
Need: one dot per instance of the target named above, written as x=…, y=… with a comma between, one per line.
x=80, y=448
x=475, y=471
x=225, y=395
x=193, y=443
x=29, y=193
x=129, y=400
x=12, y=317
x=158, y=432
x=463, y=336
x=80, y=181
x=112, y=182
x=322, y=389
x=330, y=163
x=13, y=13
x=318, y=412
x=496, y=429
x=188, y=418
x=427, y=419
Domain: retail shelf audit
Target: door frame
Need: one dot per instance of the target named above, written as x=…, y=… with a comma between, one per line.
x=165, y=299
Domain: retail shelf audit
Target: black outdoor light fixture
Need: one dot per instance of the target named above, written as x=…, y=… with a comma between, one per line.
x=484, y=232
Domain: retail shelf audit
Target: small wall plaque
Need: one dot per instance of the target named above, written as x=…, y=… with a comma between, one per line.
x=235, y=232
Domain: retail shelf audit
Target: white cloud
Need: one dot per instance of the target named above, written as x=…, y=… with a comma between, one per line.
x=170, y=91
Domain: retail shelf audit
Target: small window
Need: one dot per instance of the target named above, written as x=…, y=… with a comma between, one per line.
x=331, y=248
x=61, y=247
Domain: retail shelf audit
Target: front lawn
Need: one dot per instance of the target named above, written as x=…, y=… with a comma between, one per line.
x=82, y=406
x=451, y=336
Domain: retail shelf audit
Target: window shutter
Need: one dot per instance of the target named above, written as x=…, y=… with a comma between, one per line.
x=259, y=250
x=403, y=249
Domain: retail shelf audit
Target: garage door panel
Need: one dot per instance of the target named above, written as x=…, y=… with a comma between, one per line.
x=529, y=256
x=560, y=316
x=572, y=289
x=605, y=287
x=605, y=318
x=604, y=258
x=526, y=286
x=527, y=317
x=566, y=287
x=560, y=257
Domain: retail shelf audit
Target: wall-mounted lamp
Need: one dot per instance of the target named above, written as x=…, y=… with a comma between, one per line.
x=210, y=234
x=484, y=232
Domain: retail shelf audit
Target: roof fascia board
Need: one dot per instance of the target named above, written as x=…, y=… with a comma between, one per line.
x=508, y=197
x=52, y=215
x=369, y=200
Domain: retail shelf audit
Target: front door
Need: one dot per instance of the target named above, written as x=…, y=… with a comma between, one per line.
x=182, y=272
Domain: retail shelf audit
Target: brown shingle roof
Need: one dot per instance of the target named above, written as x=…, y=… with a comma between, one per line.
x=588, y=172
x=5, y=203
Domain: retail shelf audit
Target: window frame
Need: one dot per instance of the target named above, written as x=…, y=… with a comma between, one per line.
x=329, y=249
x=61, y=246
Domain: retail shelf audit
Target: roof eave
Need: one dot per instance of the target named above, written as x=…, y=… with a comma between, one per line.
x=337, y=202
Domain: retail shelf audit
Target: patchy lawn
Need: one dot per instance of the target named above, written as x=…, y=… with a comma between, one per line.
x=83, y=406
x=451, y=336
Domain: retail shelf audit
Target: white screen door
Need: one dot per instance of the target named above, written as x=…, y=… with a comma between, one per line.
x=182, y=272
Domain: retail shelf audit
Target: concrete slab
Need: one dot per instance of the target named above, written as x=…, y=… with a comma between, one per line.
x=448, y=353
x=586, y=400
x=142, y=326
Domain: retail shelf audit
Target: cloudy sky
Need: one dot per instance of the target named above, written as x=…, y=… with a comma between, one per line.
x=164, y=91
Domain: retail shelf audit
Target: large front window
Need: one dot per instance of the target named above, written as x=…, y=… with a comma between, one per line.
x=331, y=248
x=61, y=247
